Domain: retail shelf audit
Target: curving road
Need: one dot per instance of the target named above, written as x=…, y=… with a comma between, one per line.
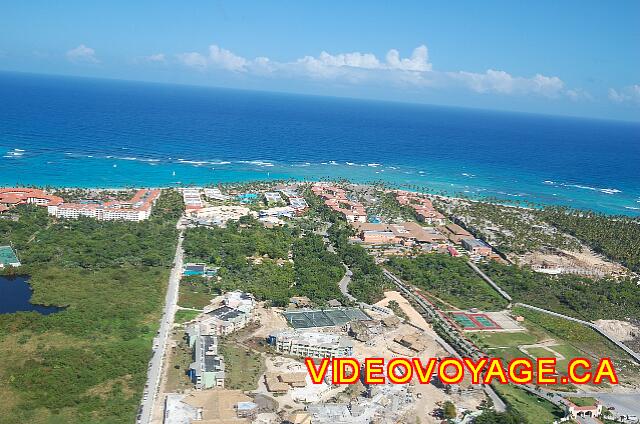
x=160, y=342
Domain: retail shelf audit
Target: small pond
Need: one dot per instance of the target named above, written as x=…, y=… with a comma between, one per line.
x=15, y=293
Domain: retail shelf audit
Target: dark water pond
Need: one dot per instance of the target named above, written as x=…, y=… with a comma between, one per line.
x=15, y=294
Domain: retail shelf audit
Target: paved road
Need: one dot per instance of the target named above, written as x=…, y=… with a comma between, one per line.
x=344, y=284
x=166, y=324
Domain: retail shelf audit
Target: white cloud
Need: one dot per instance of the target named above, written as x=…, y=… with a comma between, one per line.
x=217, y=58
x=82, y=54
x=502, y=82
x=158, y=58
x=357, y=67
x=627, y=94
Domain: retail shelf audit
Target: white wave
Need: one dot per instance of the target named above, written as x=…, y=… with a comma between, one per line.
x=333, y=162
x=256, y=162
x=193, y=162
x=420, y=172
x=549, y=182
x=602, y=190
x=392, y=167
x=373, y=165
x=582, y=187
x=222, y=162
x=18, y=150
x=632, y=208
x=468, y=175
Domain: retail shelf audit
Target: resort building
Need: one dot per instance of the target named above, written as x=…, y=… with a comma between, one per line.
x=239, y=300
x=311, y=344
x=476, y=246
x=218, y=215
x=215, y=194
x=207, y=370
x=11, y=197
x=594, y=409
x=192, y=199
x=422, y=207
x=273, y=197
x=225, y=320
x=455, y=233
x=298, y=204
x=336, y=198
x=137, y=208
x=277, y=212
x=405, y=233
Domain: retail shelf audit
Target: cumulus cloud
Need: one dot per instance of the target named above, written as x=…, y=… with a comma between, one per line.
x=216, y=58
x=357, y=67
x=627, y=94
x=82, y=54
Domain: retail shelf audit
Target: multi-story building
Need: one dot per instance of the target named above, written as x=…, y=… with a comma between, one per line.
x=10, y=197
x=208, y=369
x=311, y=344
x=137, y=208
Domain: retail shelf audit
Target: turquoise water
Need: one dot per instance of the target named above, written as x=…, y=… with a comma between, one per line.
x=93, y=133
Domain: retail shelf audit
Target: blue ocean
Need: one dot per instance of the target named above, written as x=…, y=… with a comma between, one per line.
x=59, y=131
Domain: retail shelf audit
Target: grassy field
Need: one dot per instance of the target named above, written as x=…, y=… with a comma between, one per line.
x=183, y=315
x=498, y=339
x=534, y=409
x=193, y=299
x=243, y=367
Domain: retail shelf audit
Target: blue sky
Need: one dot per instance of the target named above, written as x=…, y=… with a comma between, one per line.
x=560, y=57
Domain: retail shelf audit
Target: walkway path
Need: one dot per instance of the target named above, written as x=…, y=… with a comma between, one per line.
x=166, y=324
x=344, y=284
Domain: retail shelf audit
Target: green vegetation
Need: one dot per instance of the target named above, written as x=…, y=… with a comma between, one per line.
x=86, y=363
x=580, y=337
x=243, y=367
x=449, y=410
x=530, y=408
x=503, y=338
x=568, y=294
x=490, y=416
x=617, y=237
x=582, y=401
x=256, y=259
x=184, y=315
x=367, y=282
x=448, y=278
x=397, y=310
x=510, y=229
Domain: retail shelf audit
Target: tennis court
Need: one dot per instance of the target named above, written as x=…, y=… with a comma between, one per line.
x=324, y=318
x=8, y=257
x=475, y=321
